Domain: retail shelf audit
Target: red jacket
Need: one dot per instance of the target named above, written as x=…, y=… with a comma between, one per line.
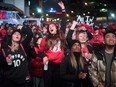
x=53, y=55
x=37, y=65
x=3, y=32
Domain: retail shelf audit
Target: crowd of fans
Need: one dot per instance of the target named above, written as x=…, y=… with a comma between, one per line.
x=77, y=55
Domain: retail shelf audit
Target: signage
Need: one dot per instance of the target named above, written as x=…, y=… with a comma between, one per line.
x=6, y=14
x=85, y=20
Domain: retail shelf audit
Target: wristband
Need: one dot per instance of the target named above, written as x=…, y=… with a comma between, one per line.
x=63, y=10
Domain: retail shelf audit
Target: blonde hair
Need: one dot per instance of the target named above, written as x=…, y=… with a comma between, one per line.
x=74, y=61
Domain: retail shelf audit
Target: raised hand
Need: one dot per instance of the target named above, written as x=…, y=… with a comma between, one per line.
x=45, y=60
x=100, y=85
x=61, y=4
x=73, y=25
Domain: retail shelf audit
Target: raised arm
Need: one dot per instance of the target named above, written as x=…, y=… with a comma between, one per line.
x=70, y=33
x=63, y=22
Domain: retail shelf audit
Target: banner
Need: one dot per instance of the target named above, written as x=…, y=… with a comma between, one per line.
x=89, y=20
x=6, y=14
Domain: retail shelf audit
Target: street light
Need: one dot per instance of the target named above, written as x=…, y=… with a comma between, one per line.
x=112, y=15
x=47, y=19
x=88, y=12
x=83, y=13
x=47, y=15
x=86, y=3
x=33, y=13
x=67, y=15
x=72, y=11
x=39, y=10
x=58, y=19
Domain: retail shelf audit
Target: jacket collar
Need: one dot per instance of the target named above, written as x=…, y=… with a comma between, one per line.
x=102, y=52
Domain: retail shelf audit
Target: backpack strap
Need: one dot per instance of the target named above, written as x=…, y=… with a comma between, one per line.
x=3, y=52
x=23, y=49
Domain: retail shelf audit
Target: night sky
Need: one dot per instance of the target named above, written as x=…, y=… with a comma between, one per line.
x=47, y=4
x=51, y=4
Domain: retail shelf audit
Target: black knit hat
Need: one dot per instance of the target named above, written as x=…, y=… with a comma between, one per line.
x=17, y=30
x=73, y=42
x=109, y=31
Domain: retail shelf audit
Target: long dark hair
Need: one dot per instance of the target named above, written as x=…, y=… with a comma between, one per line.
x=51, y=39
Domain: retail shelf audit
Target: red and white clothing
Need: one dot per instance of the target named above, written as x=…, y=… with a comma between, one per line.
x=55, y=53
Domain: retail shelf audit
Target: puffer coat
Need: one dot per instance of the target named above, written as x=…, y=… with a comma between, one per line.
x=98, y=69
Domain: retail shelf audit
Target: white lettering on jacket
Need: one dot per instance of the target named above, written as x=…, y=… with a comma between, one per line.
x=15, y=59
